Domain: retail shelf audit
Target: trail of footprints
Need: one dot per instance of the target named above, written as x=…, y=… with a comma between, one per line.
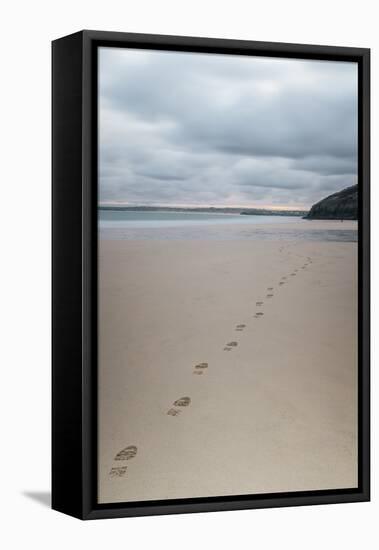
x=178, y=405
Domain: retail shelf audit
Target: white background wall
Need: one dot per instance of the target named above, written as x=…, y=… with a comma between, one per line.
x=26, y=31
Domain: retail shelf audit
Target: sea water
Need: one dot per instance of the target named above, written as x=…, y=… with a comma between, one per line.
x=177, y=225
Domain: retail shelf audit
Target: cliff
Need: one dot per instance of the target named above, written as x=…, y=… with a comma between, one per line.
x=339, y=206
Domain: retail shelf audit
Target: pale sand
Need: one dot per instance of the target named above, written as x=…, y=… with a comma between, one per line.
x=276, y=413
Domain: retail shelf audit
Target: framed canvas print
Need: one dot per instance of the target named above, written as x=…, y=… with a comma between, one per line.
x=210, y=274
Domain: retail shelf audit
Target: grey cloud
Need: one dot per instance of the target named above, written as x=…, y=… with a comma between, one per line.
x=201, y=129
x=328, y=165
x=163, y=176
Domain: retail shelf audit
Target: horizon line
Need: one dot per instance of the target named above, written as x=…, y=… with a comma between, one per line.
x=237, y=206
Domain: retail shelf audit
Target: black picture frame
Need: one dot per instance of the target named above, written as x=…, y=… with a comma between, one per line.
x=74, y=273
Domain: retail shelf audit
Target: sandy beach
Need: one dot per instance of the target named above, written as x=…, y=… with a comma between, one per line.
x=273, y=411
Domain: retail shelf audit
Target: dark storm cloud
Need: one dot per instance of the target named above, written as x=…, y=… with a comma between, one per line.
x=179, y=128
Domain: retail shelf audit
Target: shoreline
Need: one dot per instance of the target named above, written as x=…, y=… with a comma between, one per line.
x=285, y=230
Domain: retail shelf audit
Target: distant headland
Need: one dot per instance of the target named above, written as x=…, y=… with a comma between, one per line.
x=209, y=209
x=339, y=206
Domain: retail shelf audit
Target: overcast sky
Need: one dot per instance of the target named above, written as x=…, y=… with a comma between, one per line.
x=200, y=130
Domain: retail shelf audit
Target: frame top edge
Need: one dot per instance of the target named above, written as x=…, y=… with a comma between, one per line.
x=195, y=42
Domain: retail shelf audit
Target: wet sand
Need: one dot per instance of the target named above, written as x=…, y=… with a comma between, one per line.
x=275, y=407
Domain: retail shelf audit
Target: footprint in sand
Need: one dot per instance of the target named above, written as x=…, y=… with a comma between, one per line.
x=281, y=283
x=293, y=274
x=230, y=345
x=181, y=402
x=259, y=303
x=270, y=288
x=284, y=278
x=240, y=327
x=127, y=453
x=269, y=295
x=199, y=369
x=119, y=471
x=259, y=314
